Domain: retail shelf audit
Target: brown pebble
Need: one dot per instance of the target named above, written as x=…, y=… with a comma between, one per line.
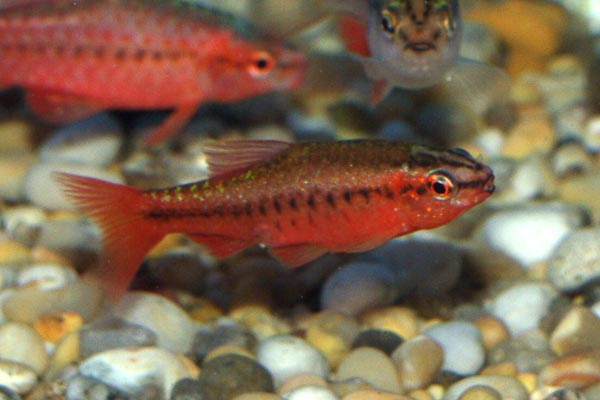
x=374, y=395
x=53, y=327
x=227, y=349
x=400, y=320
x=418, y=361
x=493, y=331
x=332, y=333
x=481, y=392
x=506, y=368
x=302, y=380
x=372, y=366
x=577, y=371
x=578, y=331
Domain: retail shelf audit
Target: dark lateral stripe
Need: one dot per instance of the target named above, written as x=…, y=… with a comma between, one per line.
x=311, y=201
x=276, y=205
x=293, y=204
x=330, y=199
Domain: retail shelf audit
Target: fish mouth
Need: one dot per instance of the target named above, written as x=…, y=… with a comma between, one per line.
x=488, y=185
x=420, y=46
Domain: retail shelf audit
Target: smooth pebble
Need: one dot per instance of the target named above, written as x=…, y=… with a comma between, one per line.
x=576, y=261
x=28, y=304
x=286, y=356
x=463, y=347
x=418, y=361
x=372, y=366
x=534, y=300
x=16, y=376
x=132, y=370
x=358, y=287
x=384, y=340
x=174, y=328
x=226, y=332
x=46, y=276
x=576, y=371
x=529, y=351
x=530, y=233
x=21, y=343
x=229, y=375
x=310, y=393
x=578, y=330
x=111, y=333
x=507, y=386
x=332, y=333
x=41, y=189
x=93, y=141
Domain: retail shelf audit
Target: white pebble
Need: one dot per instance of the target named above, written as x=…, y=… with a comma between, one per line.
x=174, y=328
x=576, y=261
x=309, y=393
x=46, y=276
x=529, y=234
x=508, y=386
x=132, y=369
x=17, y=376
x=286, y=356
x=463, y=347
x=92, y=141
x=358, y=287
x=42, y=190
x=21, y=343
x=591, y=134
x=522, y=307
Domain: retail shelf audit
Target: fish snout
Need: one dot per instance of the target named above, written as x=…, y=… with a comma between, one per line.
x=488, y=186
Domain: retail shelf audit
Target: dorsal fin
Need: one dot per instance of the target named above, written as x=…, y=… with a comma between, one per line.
x=233, y=155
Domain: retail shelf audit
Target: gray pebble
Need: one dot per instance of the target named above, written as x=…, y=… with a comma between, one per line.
x=227, y=332
x=462, y=344
x=534, y=300
x=565, y=394
x=386, y=341
x=82, y=388
x=530, y=351
x=111, y=333
x=229, y=375
x=188, y=389
x=93, y=141
x=8, y=394
x=357, y=287
x=576, y=261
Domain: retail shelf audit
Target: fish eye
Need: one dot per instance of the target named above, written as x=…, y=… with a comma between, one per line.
x=441, y=185
x=261, y=63
x=388, y=21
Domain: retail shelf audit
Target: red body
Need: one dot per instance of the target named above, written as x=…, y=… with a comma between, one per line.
x=299, y=200
x=78, y=57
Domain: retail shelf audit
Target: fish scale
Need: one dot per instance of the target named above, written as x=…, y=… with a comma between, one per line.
x=78, y=58
x=298, y=200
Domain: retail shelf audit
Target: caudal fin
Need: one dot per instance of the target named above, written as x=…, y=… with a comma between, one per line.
x=127, y=235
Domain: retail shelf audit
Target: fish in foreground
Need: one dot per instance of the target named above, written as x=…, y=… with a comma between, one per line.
x=298, y=200
x=76, y=58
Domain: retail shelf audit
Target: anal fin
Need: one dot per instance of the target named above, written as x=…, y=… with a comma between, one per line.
x=221, y=246
x=61, y=108
x=297, y=254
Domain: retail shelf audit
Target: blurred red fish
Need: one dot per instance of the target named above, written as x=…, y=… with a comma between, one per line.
x=76, y=58
x=298, y=200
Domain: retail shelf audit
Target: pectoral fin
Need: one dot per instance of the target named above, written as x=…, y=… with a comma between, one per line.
x=477, y=85
x=296, y=255
x=61, y=108
x=172, y=125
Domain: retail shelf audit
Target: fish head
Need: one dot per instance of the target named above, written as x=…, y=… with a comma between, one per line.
x=421, y=38
x=444, y=184
x=246, y=69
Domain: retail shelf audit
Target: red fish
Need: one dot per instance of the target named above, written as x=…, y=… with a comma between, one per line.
x=76, y=58
x=298, y=200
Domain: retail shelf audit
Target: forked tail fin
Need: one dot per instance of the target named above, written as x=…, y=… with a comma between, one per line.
x=126, y=234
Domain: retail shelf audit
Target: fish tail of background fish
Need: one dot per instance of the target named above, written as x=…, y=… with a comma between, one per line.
x=127, y=236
